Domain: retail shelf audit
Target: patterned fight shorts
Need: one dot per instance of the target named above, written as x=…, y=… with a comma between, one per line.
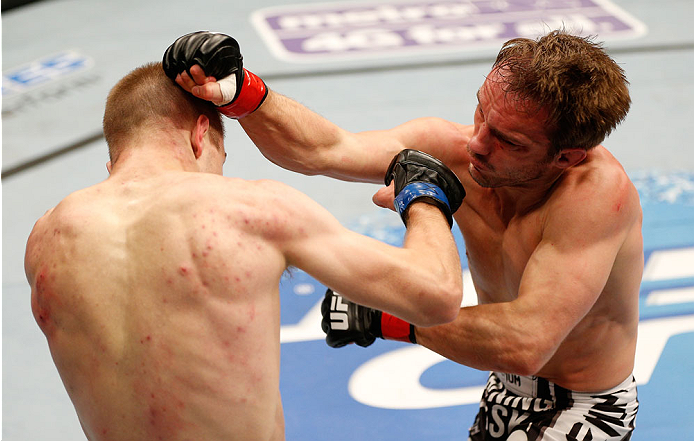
x=520, y=408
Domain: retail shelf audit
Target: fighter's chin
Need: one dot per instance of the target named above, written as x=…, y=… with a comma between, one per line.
x=478, y=176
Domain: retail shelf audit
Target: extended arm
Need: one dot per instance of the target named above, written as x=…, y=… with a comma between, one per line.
x=422, y=280
x=291, y=135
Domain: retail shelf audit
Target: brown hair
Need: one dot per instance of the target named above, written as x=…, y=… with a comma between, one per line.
x=583, y=90
x=146, y=96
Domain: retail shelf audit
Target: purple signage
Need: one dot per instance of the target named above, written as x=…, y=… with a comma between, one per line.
x=312, y=32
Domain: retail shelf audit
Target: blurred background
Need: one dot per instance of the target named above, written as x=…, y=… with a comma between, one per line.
x=363, y=65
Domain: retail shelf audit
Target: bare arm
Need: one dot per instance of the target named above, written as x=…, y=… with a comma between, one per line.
x=420, y=282
x=294, y=137
x=561, y=282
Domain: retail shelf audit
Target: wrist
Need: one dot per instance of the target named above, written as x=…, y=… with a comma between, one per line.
x=422, y=192
x=393, y=328
x=249, y=97
x=424, y=210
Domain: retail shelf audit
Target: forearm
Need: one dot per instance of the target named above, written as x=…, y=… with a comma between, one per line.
x=430, y=239
x=209, y=66
x=289, y=134
x=296, y=138
x=487, y=337
x=420, y=282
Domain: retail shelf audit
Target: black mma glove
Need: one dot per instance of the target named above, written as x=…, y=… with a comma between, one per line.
x=346, y=322
x=419, y=176
x=220, y=57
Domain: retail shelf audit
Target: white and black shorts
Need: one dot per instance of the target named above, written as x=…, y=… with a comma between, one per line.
x=520, y=408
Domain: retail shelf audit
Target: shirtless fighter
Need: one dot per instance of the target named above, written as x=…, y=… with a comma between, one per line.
x=551, y=222
x=158, y=288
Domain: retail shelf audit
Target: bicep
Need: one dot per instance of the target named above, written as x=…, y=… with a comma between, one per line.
x=440, y=138
x=566, y=280
x=570, y=267
x=365, y=156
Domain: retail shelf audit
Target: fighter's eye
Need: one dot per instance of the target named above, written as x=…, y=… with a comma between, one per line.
x=511, y=146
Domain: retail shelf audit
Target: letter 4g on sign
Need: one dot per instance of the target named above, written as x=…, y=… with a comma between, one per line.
x=347, y=30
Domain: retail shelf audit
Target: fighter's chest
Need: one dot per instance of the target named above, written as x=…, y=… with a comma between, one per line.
x=497, y=249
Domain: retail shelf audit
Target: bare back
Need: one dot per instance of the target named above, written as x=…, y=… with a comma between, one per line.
x=159, y=300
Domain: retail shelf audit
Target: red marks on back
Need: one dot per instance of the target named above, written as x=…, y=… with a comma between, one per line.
x=43, y=302
x=163, y=410
x=251, y=312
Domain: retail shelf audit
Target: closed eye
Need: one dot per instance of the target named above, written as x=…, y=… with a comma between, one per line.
x=510, y=144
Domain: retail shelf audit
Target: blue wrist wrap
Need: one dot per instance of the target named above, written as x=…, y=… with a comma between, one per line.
x=416, y=190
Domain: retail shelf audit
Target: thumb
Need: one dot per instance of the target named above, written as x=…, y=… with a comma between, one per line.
x=385, y=197
x=210, y=91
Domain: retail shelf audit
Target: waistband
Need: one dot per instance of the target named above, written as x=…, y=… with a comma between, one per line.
x=538, y=387
x=535, y=387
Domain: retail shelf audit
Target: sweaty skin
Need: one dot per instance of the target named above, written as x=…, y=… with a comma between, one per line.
x=157, y=290
x=556, y=260
x=554, y=243
x=155, y=310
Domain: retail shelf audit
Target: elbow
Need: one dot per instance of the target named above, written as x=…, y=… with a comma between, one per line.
x=453, y=299
x=445, y=308
x=527, y=358
x=451, y=307
x=525, y=366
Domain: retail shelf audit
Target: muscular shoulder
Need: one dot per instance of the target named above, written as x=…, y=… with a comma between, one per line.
x=266, y=207
x=62, y=214
x=597, y=192
x=36, y=237
x=264, y=194
x=50, y=230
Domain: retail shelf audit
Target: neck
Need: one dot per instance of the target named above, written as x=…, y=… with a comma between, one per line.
x=155, y=157
x=522, y=198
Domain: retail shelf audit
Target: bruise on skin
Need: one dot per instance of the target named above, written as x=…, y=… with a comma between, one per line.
x=162, y=409
x=43, y=301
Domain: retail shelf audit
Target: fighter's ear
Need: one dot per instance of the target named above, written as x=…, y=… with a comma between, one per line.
x=569, y=157
x=197, y=136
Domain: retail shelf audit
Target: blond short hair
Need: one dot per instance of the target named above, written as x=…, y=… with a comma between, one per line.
x=146, y=96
